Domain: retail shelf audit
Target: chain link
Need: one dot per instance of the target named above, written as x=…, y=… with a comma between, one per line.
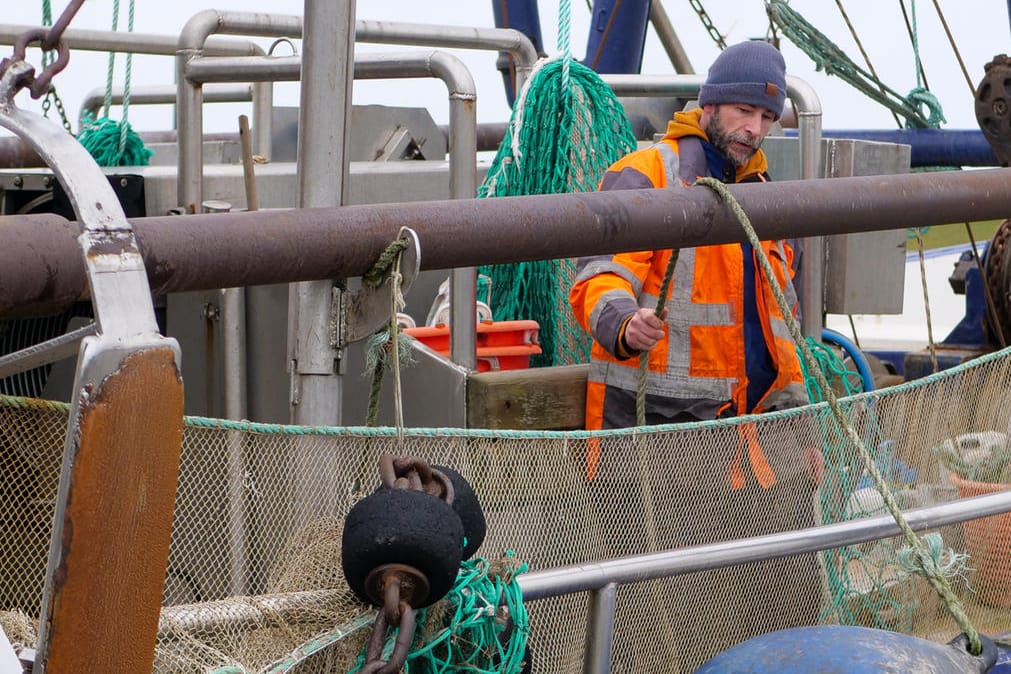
x=410, y=472
x=374, y=663
x=708, y=23
x=49, y=40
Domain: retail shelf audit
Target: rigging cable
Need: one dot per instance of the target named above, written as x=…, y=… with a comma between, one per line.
x=863, y=52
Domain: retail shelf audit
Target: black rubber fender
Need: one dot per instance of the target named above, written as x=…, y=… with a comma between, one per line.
x=402, y=526
x=467, y=506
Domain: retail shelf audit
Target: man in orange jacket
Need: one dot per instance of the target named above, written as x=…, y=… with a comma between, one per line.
x=723, y=348
x=720, y=349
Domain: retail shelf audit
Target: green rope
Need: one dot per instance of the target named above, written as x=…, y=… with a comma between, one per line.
x=462, y=632
x=640, y=394
x=113, y=143
x=829, y=57
x=563, y=134
x=377, y=352
x=104, y=140
x=374, y=277
x=832, y=367
x=926, y=564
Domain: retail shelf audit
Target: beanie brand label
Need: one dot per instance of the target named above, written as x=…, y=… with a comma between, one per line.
x=771, y=89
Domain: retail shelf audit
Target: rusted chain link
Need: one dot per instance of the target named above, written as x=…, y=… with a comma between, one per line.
x=374, y=663
x=410, y=472
x=48, y=39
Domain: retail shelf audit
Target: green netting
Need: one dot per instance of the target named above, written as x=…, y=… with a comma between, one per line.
x=562, y=136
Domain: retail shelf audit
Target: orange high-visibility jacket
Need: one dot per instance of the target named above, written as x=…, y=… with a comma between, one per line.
x=697, y=371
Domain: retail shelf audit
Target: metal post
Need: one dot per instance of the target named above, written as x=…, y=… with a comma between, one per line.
x=812, y=272
x=600, y=630
x=669, y=38
x=323, y=137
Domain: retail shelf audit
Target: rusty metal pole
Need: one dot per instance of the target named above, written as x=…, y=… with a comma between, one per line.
x=40, y=269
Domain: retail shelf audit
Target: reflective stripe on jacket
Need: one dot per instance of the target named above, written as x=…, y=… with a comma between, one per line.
x=698, y=369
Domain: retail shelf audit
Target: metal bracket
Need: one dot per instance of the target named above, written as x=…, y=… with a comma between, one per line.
x=124, y=435
x=368, y=309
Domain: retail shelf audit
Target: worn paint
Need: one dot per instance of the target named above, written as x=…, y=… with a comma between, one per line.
x=118, y=520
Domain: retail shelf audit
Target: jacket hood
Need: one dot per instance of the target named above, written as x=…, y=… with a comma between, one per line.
x=687, y=124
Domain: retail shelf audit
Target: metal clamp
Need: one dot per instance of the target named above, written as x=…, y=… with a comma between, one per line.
x=367, y=309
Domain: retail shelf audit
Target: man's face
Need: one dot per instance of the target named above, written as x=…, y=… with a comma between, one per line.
x=738, y=129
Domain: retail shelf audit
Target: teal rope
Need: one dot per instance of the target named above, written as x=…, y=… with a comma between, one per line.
x=210, y=423
x=829, y=57
x=471, y=639
x=114, y=143
x=124, y=128
x=926, y=564
x=920, y=95
x=564, y=33
x=111, y=63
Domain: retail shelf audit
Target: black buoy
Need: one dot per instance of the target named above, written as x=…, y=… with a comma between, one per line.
x=467, y=506
x=404, y=527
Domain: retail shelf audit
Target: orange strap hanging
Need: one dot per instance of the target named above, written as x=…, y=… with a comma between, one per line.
x=748, y=434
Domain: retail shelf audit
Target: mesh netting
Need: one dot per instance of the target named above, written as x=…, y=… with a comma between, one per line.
x=254, y=569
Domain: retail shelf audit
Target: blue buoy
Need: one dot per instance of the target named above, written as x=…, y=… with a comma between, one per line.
x=838, y=649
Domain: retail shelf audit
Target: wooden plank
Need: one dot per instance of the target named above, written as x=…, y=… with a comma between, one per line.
x=107, y=587
x=546, y=398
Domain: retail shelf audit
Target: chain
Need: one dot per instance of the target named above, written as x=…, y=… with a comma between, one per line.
x=410, y=472
x=48, y=39
x=708, y=23
x=403, y=617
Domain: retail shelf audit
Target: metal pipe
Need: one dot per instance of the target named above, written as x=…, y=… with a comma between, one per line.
x=594, y=576
x=203, y=24
x=600, y=630
x=928, y=147
x=812, y=280
x=192, y=44
x=462, y=145
x=161, y=95
x=422, y=35
x=669, y=38
x=134, y=43
x=41, y=270
x=599, y=577
x=324, y=134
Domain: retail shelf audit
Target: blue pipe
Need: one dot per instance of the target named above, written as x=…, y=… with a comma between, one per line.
x=617, y=36
x=521, y=15
x=853, y=351
x=930, y=147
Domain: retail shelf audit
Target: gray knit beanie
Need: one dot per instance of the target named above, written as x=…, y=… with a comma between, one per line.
x=748, y=72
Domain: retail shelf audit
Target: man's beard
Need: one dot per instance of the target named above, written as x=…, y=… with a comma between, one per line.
x=722, y=140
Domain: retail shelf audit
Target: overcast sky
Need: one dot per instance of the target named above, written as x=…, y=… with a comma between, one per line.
x=980, y=28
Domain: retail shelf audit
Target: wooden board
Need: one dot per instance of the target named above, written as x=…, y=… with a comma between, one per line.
x=546, y=398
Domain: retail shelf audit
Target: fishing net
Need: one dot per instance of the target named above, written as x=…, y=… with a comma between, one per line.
x=254, y=574
x=566, y=128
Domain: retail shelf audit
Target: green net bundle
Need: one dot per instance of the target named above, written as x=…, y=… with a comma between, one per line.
x=567, y=127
